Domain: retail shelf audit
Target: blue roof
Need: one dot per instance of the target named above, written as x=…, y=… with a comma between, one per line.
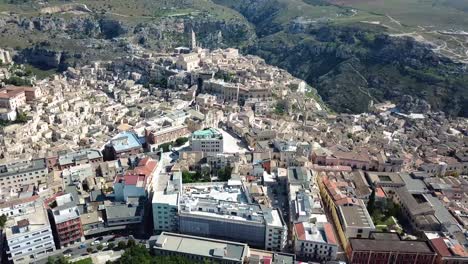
x=125, y=141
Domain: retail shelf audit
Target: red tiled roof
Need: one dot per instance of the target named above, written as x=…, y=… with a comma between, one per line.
x=6, y=94
x=134, y=179
x=380, y=193
x=145, y=167
x=459, y=250
x=331, y=239
x=300, y=231
x=441, y=247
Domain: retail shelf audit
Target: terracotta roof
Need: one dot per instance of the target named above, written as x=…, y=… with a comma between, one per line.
x=6, y=94
x=379, y=192
x=145, y=167
x=134, y=179
x=440, y=247
x=300, y=231
x=331, y=239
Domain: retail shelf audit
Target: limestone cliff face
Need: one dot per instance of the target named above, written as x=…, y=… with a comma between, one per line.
x=351, y=67
x=354, y=65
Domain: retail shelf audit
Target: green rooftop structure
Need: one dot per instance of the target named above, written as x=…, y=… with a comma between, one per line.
x=207, y=133
x=208, y=140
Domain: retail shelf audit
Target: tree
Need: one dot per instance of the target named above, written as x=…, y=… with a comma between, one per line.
x=57, y=260
x=3, y=219
x=371, y=203
x=180, y=141
x=224, y=174
x=89, y=250
x=135, y=254
x=131, y=243
x=21, y=117
x=166, y=146
x=111, y=246
x=100, y=247
x=121, y=245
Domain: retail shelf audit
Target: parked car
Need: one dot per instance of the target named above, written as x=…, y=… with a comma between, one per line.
x=96, y=242
x=83, y=246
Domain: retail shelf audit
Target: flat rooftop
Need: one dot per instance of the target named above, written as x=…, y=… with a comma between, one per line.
x=356, y=216
x=122, y=211
x=200, y=246
x=36, y=217
x=215, y=191
x=75, y=156
x=125, y=141
x=390, y=245
x=208, y=133
x=22, y=166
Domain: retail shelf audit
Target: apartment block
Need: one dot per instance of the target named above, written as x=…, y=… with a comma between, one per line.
x=29, y=236
x=14, y=176
x=66, y=219
x=207, y=140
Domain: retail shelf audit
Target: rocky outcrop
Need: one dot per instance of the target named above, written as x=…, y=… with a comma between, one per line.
x=350, y=67
x=65, y=8
x=42, y=58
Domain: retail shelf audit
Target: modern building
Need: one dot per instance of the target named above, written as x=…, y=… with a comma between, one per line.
x=200, y=249
x=29, y=236
x=129, y=186
x=355, y=219
x=216, y=211
x=208, y=140
x=315, y=241
x=166, y=204
x=389, y=248
x=66, y=219
x=124, y=214
x=78, y=174
x=14, y=176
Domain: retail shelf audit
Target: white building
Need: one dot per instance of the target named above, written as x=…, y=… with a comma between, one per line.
x=276, y=232
x=222, y=211
x=166, y=205
x=315, y=241
x=208, y=140
x=29, y=236
x=77, y=174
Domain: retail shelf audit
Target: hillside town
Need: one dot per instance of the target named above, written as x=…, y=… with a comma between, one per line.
x=216, y=156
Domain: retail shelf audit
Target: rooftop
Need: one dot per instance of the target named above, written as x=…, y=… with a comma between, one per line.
x=356, y=215
x=208, y=133
x=125, y=141
x=200, y=246
x=22, y=166
x=117, y=211
x=321, y=233
x=76, y=156
x=34, y=219
x=386, y=244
